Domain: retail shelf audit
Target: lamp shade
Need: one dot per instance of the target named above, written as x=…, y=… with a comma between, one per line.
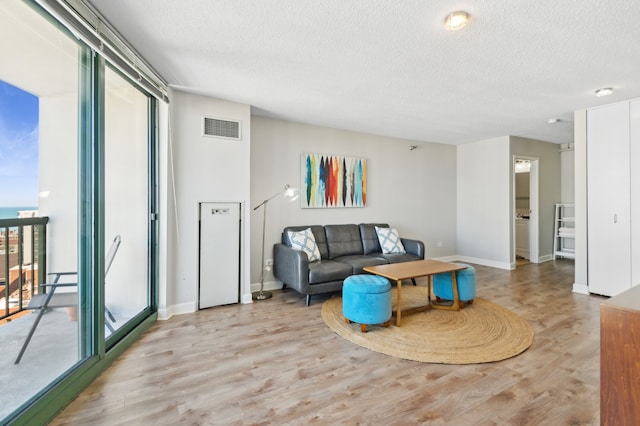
x=291, y=194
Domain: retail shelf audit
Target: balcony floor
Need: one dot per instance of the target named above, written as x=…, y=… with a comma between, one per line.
x=52, y=350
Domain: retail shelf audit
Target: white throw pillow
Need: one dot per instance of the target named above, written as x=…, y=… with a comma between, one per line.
x=389, y=240
x=306, y=242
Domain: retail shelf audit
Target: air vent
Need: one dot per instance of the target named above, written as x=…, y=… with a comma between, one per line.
x=217, y=128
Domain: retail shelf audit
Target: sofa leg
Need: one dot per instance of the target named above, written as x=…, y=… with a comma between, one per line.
x=413, y=280
x=308, y=299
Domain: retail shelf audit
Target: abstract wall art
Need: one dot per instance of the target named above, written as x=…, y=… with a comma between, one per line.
x=333, y=181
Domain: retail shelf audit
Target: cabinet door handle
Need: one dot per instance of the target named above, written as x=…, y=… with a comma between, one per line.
x=615, y=218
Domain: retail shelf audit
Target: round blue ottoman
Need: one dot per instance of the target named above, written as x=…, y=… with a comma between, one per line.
x=466, y=279
x=366, y=299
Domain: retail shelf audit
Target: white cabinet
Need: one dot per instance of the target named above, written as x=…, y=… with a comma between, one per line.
x=609, y=199
x=634, y=161
x=219, y=262
x=564, y=231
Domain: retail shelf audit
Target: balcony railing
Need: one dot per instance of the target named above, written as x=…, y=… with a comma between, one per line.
x=23, y=248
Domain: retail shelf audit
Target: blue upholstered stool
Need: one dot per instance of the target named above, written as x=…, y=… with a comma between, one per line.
x=366, y=299
x=466, y=279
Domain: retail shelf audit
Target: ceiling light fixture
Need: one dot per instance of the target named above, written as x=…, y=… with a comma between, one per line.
x=553, y=120
x=522, y=166
x=604, y=91
x=456, y=20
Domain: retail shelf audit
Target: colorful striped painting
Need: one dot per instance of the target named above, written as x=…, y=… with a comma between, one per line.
x=333, y=181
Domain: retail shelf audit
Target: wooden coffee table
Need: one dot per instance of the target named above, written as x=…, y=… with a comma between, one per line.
x=418, y=268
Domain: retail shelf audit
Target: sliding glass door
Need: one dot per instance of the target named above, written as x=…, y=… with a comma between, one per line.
x=41, y=66
x=86, y=134
x=127, y=213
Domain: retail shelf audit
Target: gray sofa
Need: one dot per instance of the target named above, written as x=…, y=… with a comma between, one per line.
x=344, y=250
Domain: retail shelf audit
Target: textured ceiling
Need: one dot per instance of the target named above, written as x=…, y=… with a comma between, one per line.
x=389, y=67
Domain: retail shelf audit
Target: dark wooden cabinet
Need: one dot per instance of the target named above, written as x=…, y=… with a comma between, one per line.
x=620, y=359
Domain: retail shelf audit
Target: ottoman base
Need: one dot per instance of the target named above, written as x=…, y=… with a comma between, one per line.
x=446, y=302
x=363, y=327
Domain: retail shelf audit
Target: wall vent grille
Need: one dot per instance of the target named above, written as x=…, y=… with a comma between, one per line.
x=218, y=128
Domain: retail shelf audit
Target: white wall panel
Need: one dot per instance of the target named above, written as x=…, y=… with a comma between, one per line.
x=484, y=206
x=412, y=190
x=202, y=169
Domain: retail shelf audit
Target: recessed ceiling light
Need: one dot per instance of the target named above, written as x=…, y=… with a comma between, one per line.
x=456, y=20
x=604, y=91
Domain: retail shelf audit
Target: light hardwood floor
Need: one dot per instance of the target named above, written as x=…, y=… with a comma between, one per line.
x=276, y=362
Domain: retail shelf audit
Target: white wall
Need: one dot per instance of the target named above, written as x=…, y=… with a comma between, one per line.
x=201, y=169
x=567, y=170
x=580, y=283
x=167, y=269
x=484, y=202
x=58, y=178
x=460, y=196
x=412, y=190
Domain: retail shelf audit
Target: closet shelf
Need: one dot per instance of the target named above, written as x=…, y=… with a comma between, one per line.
x=564, y=231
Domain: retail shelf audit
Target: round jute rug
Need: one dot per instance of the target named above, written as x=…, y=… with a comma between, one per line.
x=480, y=332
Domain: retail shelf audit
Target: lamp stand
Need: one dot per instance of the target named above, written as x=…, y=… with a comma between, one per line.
x=291, y=194
x=262, y=295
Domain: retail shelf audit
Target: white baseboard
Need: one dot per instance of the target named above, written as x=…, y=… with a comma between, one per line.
x=182, y=308
x=580, y=288
x=545, y=258
x=447, y=258
x=483, y=262
x=191, y=307
x=268, y=285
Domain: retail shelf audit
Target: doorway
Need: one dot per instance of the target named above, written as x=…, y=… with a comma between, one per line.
x=525, y=210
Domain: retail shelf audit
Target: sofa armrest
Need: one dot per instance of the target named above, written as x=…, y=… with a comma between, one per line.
x=415, y=247
x=291, y=267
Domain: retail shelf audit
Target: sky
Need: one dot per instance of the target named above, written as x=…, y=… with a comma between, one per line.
x=18, y=147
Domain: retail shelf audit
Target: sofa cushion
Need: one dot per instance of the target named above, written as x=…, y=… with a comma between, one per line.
x=389, y=240
x=357, y=262
x=343, y=240
x=398, y=257
x=318, y=235
x=328, y=270
x=370, y=243
x=306, y=242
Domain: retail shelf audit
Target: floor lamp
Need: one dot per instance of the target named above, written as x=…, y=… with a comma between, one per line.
x=290, y=194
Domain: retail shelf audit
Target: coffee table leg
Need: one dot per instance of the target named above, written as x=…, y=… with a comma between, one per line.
x=456, y=298
x=455, y=306
x=398, y=303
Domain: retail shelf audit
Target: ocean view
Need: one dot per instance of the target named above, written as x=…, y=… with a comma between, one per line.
x=12, y=212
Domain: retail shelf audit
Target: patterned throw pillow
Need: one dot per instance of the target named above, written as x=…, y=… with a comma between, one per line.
x=389, y=240
x=305, y=241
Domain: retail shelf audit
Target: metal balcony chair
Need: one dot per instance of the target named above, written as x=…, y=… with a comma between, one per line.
x=51, y=299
